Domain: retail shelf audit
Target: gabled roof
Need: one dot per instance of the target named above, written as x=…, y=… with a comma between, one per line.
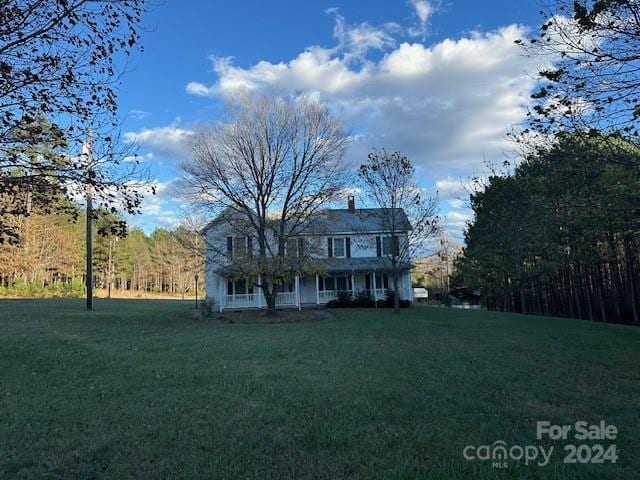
x=341, y=220
x=360, y=220
x=226, y=216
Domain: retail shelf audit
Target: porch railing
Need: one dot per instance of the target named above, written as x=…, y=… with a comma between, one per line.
x=379, y=293
x=252, y=300
x=286, y=298
x=241, y=300
x=325, y=296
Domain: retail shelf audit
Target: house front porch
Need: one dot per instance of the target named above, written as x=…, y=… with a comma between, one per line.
x=312, y=291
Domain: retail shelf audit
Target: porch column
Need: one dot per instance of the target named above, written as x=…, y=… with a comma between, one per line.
x=353, y=285
x=403, y=287
x=221, y=292
x=375, y=289
x=317, y=290
x=298, y=291
x=260, y=292
x=412, y=296
x=407, y=287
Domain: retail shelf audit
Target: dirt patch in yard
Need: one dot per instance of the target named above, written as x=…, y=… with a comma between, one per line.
x=284, y=316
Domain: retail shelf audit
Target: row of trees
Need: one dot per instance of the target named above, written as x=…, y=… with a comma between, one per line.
x=560, y=236
x=48, y=259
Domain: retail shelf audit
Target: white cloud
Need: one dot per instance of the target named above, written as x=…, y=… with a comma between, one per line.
x=138, y=114
x=357, y=40
x=424, y=9
x=139, y=158
x=451, y=188
x=455, y=223
x=161, y=209
x=169, y=142
x=447, y=105
x=453, y=191
x=164, y=194
x=196, y=88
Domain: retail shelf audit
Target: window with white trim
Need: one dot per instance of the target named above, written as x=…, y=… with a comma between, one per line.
x=291, y=247
x=239, y=286
x=382, y=281
x=333, y=283
x=339, y=249
x=342, y=283
x=240, y=246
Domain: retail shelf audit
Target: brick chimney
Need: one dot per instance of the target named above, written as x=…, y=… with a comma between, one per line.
x=351, y=202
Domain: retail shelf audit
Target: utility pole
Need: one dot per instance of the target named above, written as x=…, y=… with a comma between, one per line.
x=196, y=279
x=110, y=268
x=88, y=151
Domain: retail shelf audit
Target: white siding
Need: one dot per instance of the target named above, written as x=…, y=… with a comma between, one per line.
x=362, y=245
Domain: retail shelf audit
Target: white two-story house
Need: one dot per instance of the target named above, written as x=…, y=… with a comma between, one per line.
x=350, y=250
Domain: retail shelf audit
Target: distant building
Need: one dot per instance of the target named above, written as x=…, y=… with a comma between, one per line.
x=420, y=294
x=465, y=298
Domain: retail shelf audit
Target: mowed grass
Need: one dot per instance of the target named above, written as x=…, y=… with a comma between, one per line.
x=137, y=389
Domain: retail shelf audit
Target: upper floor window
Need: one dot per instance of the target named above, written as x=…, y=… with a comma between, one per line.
x=294, y=247
x=388, y=246
x=339, y=247
x=239, y=246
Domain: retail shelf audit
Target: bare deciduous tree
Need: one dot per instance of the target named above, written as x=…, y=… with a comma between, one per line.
x=264, y=173
x=388, y=182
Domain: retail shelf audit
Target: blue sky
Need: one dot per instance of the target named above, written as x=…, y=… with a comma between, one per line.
x=439, y=80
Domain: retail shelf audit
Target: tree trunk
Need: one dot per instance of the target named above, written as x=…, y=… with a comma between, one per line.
x=616, y=283
x=523, y=300
x=270, y=298
x=629, y=254
x=588, y=295
x=538, y=298
x=396, y=296
x=601, y=299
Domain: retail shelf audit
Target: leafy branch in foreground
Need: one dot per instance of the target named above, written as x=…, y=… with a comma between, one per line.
x=60, y=64
x=589, y=84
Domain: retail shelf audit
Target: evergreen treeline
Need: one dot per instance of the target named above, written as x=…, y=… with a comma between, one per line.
x=49, y=258
x=561, y=235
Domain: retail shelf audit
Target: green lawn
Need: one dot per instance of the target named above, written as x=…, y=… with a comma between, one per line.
x=136, y=389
